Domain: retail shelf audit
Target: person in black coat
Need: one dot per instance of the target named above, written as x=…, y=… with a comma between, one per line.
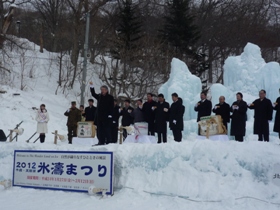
x=149, y=114
x=103, y=116
x=161, y=118
x=203, y=107
x=127, y=119
x=115, y=121
x=276, y=106
x=176, y=117
x=138, y=114
x=222, y=109
x=263, y=114
x=89, y=113
x=238, y=118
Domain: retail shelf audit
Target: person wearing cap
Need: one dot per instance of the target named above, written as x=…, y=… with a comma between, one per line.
x=223, y=109
x=161, y=118
x=176, y=123
x=276, y=107
x=238, y=118
x=74, y=116
x=149, y=114
x=90, y=111
x=203, y=107
x=263, y=115
x=42, y=118
x=104, y=114
x=115, y=121
x=127, y=118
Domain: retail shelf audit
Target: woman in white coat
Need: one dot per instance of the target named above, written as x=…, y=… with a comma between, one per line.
x=42, y=118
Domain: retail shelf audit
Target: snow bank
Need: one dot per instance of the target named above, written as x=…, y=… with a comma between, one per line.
x=165, y=176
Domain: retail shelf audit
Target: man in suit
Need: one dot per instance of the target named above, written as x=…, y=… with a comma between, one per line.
x=149, y=114
x=127, y=118
x=89, y=113
x=263, y=114
x=203, y=107
x=104, y=114
x=222, y=109
x=161, y=118
x=115, y=121
x=176, y=117
x=238, y=118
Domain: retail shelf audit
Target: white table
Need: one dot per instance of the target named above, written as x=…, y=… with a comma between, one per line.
x=214, y=138
x=84, y=141
x=144, y=139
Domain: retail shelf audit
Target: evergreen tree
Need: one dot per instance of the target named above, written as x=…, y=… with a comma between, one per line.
x=179, y=30
x=128, y=32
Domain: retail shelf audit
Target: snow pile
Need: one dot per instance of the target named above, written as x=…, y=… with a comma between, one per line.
x=186, y=85
x=219, y=175
x=249, y=73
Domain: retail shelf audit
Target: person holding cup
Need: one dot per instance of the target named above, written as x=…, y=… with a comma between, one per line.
x=222, y=109
x=239, y=118
x=161, y=118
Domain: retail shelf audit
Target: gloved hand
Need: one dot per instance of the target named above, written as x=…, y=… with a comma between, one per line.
x=174, y=121
x=110, y=116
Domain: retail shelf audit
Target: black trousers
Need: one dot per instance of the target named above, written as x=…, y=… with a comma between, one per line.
x=151, y=128
x=163, y=135
x=177, y=133
x=104, y=133
x=264, y=137
x=72, y=132
x=124, y=134
x=42, y=137
x=114, y=133
x=263, y=132
x=239, y=138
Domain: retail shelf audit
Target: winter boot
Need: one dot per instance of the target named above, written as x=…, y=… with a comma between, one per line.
x=42, y=138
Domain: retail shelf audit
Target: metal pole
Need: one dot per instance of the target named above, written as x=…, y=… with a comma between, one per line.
x=85, y=60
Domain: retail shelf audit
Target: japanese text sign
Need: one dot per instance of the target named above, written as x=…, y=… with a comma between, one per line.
x=63, y=170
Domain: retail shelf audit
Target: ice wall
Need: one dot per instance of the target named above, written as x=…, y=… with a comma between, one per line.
x=249, y=73
x=186, y=85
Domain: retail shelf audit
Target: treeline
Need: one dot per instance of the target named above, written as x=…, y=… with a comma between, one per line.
x=142, y=36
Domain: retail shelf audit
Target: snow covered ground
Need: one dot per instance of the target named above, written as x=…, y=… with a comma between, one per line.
x=188, y=175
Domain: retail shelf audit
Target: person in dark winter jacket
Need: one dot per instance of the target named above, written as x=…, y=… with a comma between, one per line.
x=263, y=114
x=238, y=118
x=138, y=114
x=74, y=116
x=103, y=116
x=223, y=109
x=276, y=106
x=127, y=119
x=203, y=107
x=149, y=114
x=90, y=111
x=115, y=121
x=176, y=117
x=161, y=118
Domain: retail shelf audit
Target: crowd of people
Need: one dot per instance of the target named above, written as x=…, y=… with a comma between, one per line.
x=158, y=114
